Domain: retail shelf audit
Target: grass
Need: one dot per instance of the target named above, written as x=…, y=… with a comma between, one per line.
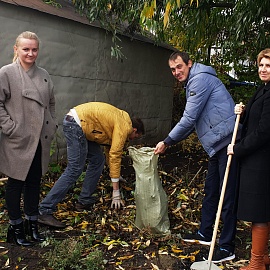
x=74, y=253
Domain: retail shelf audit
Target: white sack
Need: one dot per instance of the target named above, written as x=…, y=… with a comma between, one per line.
x=150, y=197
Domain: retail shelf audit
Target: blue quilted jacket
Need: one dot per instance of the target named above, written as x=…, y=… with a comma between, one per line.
x=209, y=110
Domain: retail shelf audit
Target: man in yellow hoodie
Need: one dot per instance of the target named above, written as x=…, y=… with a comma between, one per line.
x=86, y=128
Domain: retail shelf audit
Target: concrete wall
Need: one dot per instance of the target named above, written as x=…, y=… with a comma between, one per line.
x=77, y=56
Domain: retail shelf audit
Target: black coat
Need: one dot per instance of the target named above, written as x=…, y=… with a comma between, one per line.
x=253, y=152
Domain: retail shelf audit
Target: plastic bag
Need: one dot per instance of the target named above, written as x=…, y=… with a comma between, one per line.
x=150, y=197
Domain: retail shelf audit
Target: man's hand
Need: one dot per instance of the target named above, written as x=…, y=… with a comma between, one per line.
x=117, y=200
x=160, y=148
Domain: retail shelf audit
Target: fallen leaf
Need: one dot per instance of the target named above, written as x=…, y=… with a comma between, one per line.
x=103, y=221
x=125, y=257
x=7, y=262
x=176, y=250
x=83, y=225
x=4, y=252
x=112, y=227
x=155, y=267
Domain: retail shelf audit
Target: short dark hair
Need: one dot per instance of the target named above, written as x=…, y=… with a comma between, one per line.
x=138, y=123
x=184, y=55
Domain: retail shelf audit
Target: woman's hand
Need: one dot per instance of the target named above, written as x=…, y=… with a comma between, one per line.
x=230, y=149
x=239, y=108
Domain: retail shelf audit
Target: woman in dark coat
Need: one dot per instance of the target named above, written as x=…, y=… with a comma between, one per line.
x=253, y=152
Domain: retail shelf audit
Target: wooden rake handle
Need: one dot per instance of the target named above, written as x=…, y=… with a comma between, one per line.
x=211, y=251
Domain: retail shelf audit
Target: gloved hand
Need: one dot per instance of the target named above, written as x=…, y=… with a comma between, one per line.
x=121, y=179
x=117, y=200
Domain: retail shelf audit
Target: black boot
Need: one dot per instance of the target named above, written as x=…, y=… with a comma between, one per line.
x=31, y=229
x=16, y=235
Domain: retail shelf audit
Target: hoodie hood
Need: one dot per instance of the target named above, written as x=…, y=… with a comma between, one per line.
x=198, y=68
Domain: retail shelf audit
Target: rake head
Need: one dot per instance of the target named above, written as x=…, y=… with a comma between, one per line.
x=204, y=265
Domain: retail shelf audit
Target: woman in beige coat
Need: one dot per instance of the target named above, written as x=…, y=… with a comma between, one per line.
x=28, y=124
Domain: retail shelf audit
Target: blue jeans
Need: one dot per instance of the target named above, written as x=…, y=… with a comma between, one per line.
x=79, y=150
x=213, y=184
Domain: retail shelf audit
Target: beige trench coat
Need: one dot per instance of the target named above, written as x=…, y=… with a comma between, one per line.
x=27, y=116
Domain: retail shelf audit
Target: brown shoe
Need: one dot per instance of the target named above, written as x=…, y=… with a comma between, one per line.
x=81, y=207
x=50, y=220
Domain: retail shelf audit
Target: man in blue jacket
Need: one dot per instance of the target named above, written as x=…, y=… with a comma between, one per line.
x=210, y=111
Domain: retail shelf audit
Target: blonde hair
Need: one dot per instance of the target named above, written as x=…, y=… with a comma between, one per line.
x=27, y=35
x=264, y=53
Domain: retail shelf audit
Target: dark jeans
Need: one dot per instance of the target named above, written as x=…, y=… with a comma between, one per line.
x=30, y=188
x=213, y=184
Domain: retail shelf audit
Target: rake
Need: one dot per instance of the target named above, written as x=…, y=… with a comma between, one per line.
x=209, y=265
